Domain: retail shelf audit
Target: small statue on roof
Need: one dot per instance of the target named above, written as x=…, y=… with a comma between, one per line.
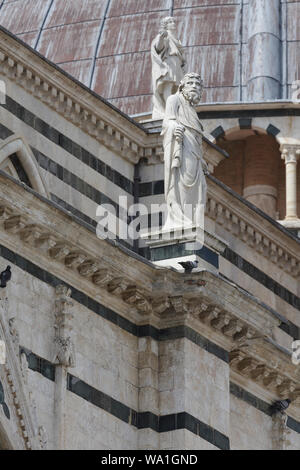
x=167, y=65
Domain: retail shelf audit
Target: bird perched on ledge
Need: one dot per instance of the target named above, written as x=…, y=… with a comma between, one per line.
x=189, y=265
x=5, y=276
x=280, y=406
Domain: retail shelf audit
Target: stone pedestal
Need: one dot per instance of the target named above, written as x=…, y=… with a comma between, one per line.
x=168, y=248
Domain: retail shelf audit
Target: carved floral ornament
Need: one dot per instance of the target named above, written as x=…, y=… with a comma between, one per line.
x=290, y=152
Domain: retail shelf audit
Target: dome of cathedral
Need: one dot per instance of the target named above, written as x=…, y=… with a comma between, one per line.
x=105, y=44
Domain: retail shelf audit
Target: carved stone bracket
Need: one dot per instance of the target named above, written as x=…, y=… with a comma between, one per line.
x=275, y=376
x=137, y=298
x=14, y=334
x=180, y=304
x=42, y=437
x=117, y=286
x=225, y=322
x=102, y=277
x=252, y=236
x=161, y=304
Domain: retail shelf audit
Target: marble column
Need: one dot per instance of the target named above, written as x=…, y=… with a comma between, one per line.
x=290, y=154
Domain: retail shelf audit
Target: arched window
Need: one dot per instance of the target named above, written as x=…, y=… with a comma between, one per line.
x=17, y=160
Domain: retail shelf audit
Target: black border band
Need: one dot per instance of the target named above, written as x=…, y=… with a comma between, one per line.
x=260, y=405
x=67, y=144
x=142, y=420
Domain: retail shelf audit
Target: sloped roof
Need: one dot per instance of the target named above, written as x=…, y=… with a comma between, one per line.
x=105, y=44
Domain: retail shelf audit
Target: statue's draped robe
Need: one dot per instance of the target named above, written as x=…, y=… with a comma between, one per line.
x=185, y=185
x=167, y=66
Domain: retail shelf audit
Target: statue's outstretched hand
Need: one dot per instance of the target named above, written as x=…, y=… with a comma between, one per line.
x=163, y=34
x=205, y=167
x=179, y=132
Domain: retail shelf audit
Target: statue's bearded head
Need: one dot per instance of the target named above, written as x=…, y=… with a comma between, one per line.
x=168, y=24
x=191, y=86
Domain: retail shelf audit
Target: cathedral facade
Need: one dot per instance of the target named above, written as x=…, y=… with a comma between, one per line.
x=105, y=341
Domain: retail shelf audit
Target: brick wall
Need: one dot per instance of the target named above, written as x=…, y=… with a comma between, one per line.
x=254, y=161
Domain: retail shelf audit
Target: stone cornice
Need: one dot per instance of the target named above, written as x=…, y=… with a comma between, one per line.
x=263, y=363
x=79, y=255
x=260, y=234
x=141, y=292
x=258, y=389
x=78, y=252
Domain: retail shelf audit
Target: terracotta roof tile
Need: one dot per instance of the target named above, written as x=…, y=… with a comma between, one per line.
x=129, y=7
x=24, y=16
x=123, y=75
x=129, y=33
x=29, y=38
x=133, y=104
x=69, y=42
x=79, y=69
x=200, y=3
x=223, y=60
x=74, y=11
x=210, y=25
x=113, y=53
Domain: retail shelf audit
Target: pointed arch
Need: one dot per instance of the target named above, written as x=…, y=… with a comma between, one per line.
x=17, y=145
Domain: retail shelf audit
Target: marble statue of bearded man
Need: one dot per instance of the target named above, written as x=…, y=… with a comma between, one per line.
x=185, y=168
x=167, y=65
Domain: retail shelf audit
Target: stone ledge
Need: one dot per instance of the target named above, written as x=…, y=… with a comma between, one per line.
x=235, y=217
x=266, y=364
x=159, y=297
